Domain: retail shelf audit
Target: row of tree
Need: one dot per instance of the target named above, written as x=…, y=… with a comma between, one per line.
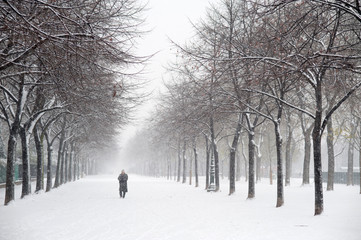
x=257, y=67
x=65, y=79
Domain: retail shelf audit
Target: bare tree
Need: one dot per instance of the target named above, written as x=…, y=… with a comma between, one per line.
x=324, y=57
x=59, y=44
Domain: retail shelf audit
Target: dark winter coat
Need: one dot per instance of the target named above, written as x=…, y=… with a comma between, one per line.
x=123, y=179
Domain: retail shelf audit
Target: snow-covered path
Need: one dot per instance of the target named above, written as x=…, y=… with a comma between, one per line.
x=159, y=209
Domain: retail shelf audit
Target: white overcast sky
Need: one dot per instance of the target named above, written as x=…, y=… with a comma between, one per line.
x=167, y=19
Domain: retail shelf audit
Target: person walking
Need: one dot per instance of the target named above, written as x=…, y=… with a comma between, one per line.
x=123, y=183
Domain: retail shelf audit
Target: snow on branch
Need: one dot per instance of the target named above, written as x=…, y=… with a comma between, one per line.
x=284, y=102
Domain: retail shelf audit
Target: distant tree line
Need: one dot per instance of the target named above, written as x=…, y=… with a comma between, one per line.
x=268, y=76
x=65, y=83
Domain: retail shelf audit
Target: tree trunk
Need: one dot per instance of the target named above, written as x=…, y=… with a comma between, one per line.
x=77, y=166
x=196, y=164
x=207, y=162
x=190, y=171
x=232, y=157
x=245, y=162
x=2, y=150
x=184, y=179
x=318, y=173
x=13, y=134
x=270, y=159
x=360, y=156
x=57, y=173
x=26, y=183
x=60, y=153
x=331, y=156
x=280, y=198
x=71, y=153
x=288, y=153
x=175, y=169
x=43, y=166
x=238, y=167
x=316, y=137
x=232, y=171
x=215, y=153
x=216, y=165
x=179, y=161
x=75, y=163
x=251, y=152
x=351, y=154
x=66, y=163
x=48, y=169
x=10, y=166
x=222, y=168
x=270, y=172
x=168, y=168
x=258, y=164
x=307, y=158
x=39, y=162
x=62, y=166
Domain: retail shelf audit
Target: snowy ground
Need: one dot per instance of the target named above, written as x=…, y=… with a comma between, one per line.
x=159, y=209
